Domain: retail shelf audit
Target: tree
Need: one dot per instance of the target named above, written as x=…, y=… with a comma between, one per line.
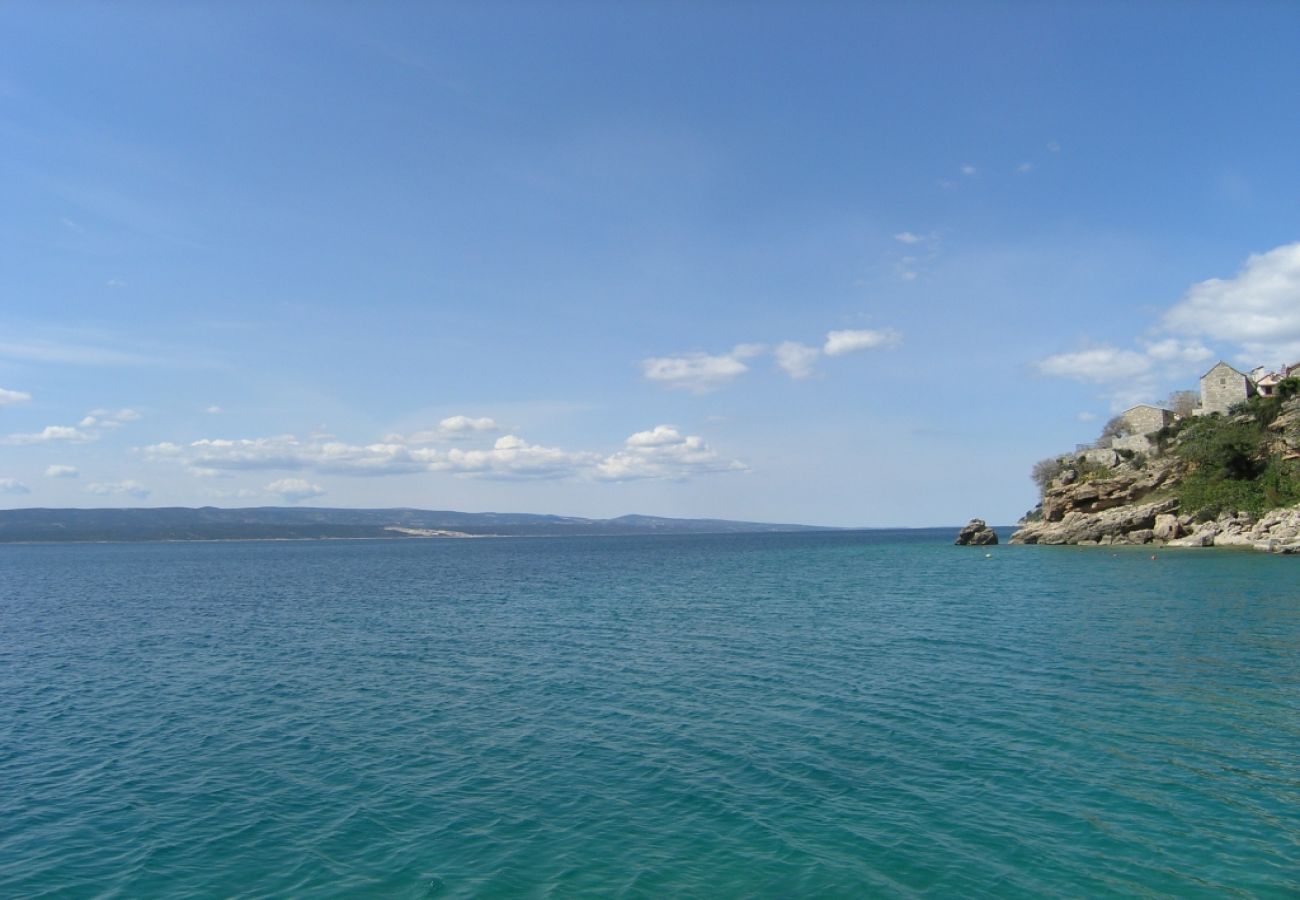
x=1183, y=403
x=1116, y=427
x=1045, y=471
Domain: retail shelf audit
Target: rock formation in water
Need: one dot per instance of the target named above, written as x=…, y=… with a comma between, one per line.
x=1208, y=481
x=976, y=533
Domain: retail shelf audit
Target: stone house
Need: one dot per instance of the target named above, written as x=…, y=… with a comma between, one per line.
x=1222, y=388
x=1140, y=422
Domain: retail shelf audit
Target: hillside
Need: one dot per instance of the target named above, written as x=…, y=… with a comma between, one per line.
x=1215, y=480
x=271, y=523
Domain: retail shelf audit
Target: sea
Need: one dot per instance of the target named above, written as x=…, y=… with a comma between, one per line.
x=829, y=714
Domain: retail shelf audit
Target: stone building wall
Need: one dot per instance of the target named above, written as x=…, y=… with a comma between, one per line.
x=1138, y=443
x=1142, y=420
x=1222, y=388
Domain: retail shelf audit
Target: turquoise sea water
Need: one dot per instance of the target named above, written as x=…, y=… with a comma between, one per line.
x=868, y=714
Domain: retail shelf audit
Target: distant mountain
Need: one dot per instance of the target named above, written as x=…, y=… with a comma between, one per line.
x=273, y=522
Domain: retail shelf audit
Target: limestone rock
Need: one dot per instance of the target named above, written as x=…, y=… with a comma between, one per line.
x=1167, y=527
x=1077, y=526
x=976, y=533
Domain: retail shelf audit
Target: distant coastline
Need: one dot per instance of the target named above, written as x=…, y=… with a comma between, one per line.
x=184, y=524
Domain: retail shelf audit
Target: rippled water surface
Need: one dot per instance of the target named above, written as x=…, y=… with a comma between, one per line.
x=775, y=715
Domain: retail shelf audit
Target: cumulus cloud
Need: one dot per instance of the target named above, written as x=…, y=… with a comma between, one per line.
x=452, y=428
x=119, y=488
x=839, y=343
x=1258, y=309
x=466, y=425
x=664, y=452
x=58, y=471
x=796, y=359
x=1174, y=350
x=1099, y=365
x=700, y=372
x=286, y=452
x=513, y=457
x=50, y=433
x=13, y=486
x=10, y=398
x=659, y=453
x=108, y=418
x=295, y=489
x=908, y=237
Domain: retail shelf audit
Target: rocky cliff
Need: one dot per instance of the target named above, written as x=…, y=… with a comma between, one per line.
x=1211, y=481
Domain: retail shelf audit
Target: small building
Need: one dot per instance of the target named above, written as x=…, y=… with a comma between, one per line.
x=1140, y=422
x=1222, y=388
x=1266, y=382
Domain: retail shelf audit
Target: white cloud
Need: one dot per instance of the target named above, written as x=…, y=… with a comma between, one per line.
x=50, y=433
x=13, y=486
x=9, y=398
x=57, y=471
x=1024, y=167
x=1258, y=309
x=1085, y=416
x=115, y=283
x=851, y=341
x=700, y=372
x=664, y=452
x=1053, y=147
x=908, y=237
x=967, y=169
x=465, y=424
x=1174, y=350
x=1130, y=376
x=1099, y=365
x=128, y=487
x=286, y=452
x=661, y=452
x=513, y=457
x=796, y=359
x=108, y=418
x=452, y=428
x=214, y=410
x=293, y=490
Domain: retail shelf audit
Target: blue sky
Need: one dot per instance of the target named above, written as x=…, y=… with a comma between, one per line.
x=832, y=263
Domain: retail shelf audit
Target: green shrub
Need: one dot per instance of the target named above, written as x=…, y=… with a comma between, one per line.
x=1228, y=450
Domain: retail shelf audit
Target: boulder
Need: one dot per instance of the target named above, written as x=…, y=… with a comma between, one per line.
x=1167, y=527
x=976, y=533
x=1077, y=526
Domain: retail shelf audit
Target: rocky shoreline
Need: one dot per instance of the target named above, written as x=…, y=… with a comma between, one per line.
x=1102, y=497
x=1277, y=531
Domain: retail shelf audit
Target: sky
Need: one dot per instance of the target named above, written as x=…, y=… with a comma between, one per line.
x=826, y=263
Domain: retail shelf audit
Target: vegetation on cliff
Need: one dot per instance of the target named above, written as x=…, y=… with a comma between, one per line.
x=1199, y=469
